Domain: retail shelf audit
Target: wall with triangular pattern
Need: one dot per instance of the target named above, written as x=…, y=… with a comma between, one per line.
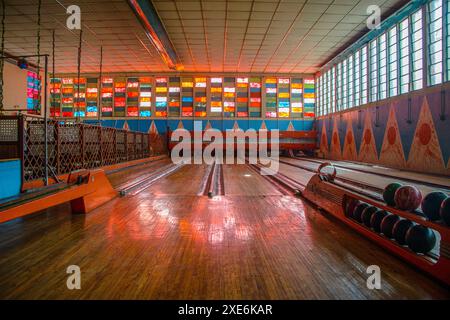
x=406, y=133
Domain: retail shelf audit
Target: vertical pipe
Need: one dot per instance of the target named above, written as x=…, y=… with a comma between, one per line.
x=53, y=64
x=46, y=119
x=99, y=103
x=77, y=109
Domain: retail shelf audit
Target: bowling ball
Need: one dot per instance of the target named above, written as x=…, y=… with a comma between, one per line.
x=375, y=220
x=357, y=213
x=366, y=215
x=400, y=229
x=407, y=198
x=389, y=193
x=420, y=239
x=445, y=211
x=431, y=204
x=388, y=224
x=350, y=207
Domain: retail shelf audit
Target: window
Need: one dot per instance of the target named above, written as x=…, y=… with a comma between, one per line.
x=383, y=67
x=357, y=78
x=448, y=41
x=435, y=42
x=339, y=99
x=350, y=82
x=393, y=63
x=344, y=84
x=320, y=95
x=404, y=55
x=373, y=71
x=364, y=75
x=328, y=91
x=333, y=107
x=416, y=50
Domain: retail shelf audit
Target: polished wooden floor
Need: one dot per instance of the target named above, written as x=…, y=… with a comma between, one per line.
x=169, y=242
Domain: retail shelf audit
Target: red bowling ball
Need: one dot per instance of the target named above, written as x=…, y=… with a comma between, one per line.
x=408, y=198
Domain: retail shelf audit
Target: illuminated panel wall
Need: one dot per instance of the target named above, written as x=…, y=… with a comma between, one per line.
x=67, y=97
x=161, y=97
x=255, y=97
x=200, y=97
x=33, y=88
x=187, y=97
x=55, y=97
x=284, y=102
x=79, y=93
x=242, y=97
x=145, y=97
x=91, y=97
x=296, y=97
x=132, y=97
x=174, y=96
x=216, y=96
x=120, y=89
x=309, y=98
x=271, y=97
x=107, y=97
x=229, y=95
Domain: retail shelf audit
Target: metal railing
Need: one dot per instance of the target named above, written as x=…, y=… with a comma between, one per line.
x=70, y=145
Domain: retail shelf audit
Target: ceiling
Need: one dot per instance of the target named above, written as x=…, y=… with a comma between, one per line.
x=260, y=36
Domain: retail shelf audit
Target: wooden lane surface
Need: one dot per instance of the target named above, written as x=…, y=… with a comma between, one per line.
x=185, y=181
x=172, y=246
x=122, y=176
x=239, y=179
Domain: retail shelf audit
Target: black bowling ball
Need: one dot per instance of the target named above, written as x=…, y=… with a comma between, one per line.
x=366, y=215
x=357, y=213
x=400, y=229
x=375, y=220
x=350, y=207
x=420, y=239
x=388, y=224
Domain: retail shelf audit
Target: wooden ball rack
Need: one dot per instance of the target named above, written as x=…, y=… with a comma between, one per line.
x=333, y=197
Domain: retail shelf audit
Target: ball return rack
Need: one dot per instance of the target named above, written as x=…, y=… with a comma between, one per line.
x=328, y=194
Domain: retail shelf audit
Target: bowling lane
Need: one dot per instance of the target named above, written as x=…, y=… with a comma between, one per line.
x=122, y=176
x=190, y=247
x=188, y=180
x=240, y=179
x=372, y=179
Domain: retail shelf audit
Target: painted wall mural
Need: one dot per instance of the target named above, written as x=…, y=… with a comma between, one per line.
x=406, y=133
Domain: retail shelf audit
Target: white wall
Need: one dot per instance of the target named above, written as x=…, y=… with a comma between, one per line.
x=15, y=87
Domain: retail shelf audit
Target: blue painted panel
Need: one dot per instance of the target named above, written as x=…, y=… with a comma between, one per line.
x=228, y=124
x=189, y=124
x=342, y=129
x=161, y=126
x=442, y=124
x=243, y=124
x=119, y=124
x=379, y=126
x=173, y=124
x=144, y=125
x=271, y=124
x=216, y=124
x=283, y=125
x=255, y=124
x=358, y=118
x=10, y=182
x=109, y=123
x=407, y=122
x=133, y=125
